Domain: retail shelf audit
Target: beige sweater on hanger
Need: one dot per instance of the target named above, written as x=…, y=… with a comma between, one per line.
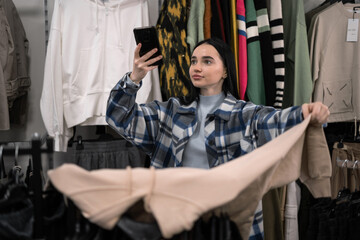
x=177, y=197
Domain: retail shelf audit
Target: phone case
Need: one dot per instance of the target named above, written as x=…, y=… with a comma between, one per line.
x=148, y=38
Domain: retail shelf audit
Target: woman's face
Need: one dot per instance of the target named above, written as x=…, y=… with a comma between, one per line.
x=207, y=70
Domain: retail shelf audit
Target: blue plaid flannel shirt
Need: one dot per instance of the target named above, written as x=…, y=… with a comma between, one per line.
x=162, y=129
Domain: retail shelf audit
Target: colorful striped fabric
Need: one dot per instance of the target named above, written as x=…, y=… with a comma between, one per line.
x=234, y=41
x=267, y=56
x=255, y=90
x=241, y=25
x=277, y=37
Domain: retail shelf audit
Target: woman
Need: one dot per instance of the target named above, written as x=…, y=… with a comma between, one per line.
x=209, y=126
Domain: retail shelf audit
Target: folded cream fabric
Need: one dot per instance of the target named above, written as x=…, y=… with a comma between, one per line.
x=177, y=197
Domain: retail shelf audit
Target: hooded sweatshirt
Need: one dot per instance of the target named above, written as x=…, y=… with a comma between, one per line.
x=91, y=45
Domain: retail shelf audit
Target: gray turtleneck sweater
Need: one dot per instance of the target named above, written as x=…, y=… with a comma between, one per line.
x=195, y=153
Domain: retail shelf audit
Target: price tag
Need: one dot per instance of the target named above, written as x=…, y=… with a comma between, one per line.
x=352, y=30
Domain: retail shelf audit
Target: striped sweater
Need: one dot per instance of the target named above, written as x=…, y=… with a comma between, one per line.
x=255, y=90
x=241, y=25
x=277, y=37
x=267, y=56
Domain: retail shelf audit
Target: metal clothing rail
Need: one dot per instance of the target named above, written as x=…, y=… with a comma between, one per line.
x=35, y=151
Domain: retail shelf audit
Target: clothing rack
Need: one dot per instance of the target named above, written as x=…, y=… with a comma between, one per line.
x=345, y=163
x=35, y=151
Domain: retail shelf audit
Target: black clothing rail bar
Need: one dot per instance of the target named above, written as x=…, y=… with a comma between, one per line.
x=35, y=151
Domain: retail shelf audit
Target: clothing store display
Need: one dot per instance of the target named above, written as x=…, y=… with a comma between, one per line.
x=223, y=140
x=300, y=152
x=195, y=24
x=255, y=90
x=267, y=55
x=243, y=78
x=217, y=168
x=171, y=26
x=15, y=64
x=335, y=61
x=273, y=228
x=297, y=90
x=344, y=174
x=318, y=217
x=298, y=80
x=90, y=46
x=272, y=204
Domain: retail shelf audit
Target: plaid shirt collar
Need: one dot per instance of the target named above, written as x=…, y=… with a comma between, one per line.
x=224, y=111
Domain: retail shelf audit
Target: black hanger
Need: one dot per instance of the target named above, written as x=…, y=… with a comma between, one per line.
x=2, y=164
x=16, y=154
x=79, y=145
x=71, y=140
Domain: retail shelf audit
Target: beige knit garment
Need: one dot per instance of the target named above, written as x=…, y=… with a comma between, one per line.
x=177, y=197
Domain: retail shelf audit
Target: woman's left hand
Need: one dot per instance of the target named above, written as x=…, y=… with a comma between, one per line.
x=319, y=112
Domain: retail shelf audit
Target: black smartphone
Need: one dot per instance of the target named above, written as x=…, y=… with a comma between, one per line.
x=148, y=38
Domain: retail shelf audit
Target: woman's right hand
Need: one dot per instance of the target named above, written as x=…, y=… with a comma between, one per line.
x=141, y=65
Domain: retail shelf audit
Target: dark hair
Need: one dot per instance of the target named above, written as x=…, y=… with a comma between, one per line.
x=230, y=82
